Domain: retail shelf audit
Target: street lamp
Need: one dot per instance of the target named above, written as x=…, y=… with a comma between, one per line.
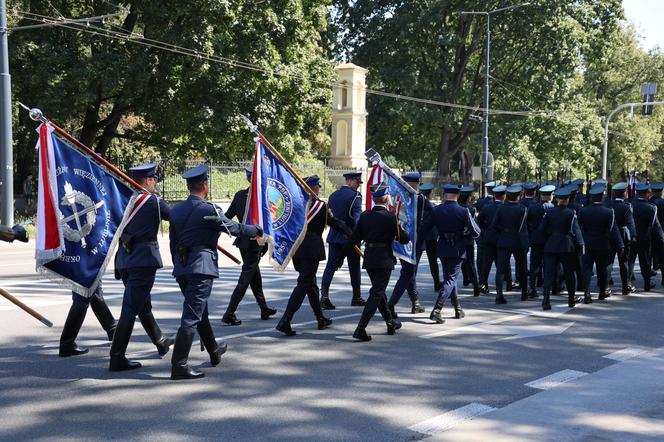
x=485, y=138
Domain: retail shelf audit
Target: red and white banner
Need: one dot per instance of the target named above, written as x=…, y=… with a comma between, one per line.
x=375, y=177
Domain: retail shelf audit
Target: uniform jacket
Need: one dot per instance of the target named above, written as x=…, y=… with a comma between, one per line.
x=646, y=221
x=346, y=205
x=659, y=203
x=536, y=212
x=199, y=236
x=624, y=218
x=510, y=226
x=453, y=223
x=312, y=246
x=481, y=202
x=138, y=243
x=599, y=228
x=433, y=234
x=528, y=201
x=473, y=212
x=378, y=228
x=561, y=230
x=484, y=220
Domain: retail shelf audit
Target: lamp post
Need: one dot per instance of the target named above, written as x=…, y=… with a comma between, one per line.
x=485, y=131
x=6, y=157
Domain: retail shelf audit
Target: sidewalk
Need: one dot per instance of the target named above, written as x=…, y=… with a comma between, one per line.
x=622, y=402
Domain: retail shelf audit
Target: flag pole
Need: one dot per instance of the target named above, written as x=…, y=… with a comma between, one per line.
x=25, y=308
x=254, y=129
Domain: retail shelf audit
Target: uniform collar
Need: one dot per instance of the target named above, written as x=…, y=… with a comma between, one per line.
x=195, y=198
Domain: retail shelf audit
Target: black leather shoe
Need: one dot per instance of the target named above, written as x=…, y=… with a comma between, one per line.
x=71, y=350
x=391, y=330
x=215, y=356
x=513, y=287
x=476, y=291
x=546, y=306
x=649, y=286
x=500, y=299
x=361, y=335
x=417, y=308
x=163, y=345
x=324, y=323
x=587, y=299
x=484, y=289
x=459, y=313
x=231, y=320
x=121, y=363
x=571, y=302
x=327, y=304
x=267, y=312
x=180, y=372
x=436, y=317
x=357, y=302
x=603, y=296
x=396, y=323
x=285, y=328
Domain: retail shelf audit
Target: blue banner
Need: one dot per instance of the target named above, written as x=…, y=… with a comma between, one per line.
x=404, y=200
x=278, y=203
x=90, y=204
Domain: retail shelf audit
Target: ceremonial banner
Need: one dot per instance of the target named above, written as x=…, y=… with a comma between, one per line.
x=403, y=203
x=279, y=204
x=81, y=209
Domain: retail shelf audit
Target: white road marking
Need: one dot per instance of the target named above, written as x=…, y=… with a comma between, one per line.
x=451, y=419
x=626, y=353
x=555, y=379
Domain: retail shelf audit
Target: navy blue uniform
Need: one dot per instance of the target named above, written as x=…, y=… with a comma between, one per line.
x=453, y=223
x=658, y=247
x=408, y=273
x=509, y=224
x=600, y=236
x=430, y=248
x=479, y=205
x=76, y=316
x=624, y=217
x=469, y=268
x=537, y=240
x=648, y=229
x=489, y=240
x=563, y=237
x=251, y=256
x=346, y=205
x=378, y=228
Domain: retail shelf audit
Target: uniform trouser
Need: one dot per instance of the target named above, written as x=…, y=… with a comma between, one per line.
x=306, y=286
x=77, y=314
x=536, y=259
x=490, y=252
x=480, y=263
x=623, y=265
x=468, y=267
x=432, y=256
x=579, y=271
x=196, y=290
x=380, y=278
x=642, y=249
x=138, y=282
x=406, y=281
x=551, y=263
x=503, y=268
x=657, y=249
x=451, y=270
x=599, y=258
x=249, y=277
x=336, y=253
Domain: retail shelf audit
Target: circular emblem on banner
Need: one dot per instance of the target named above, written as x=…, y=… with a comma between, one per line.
x=84, y=215
x=281, y=203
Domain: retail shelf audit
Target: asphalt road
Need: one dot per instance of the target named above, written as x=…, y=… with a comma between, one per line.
x=507, y=372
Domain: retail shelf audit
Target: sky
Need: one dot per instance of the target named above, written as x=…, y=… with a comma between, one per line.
x=647, y=15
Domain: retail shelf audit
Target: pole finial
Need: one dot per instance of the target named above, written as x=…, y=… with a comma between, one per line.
x=252, y=127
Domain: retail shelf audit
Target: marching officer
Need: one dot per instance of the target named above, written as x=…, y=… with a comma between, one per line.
x=537, y=240
x=563, y=236
x=307, y=259
x=408, y=274
x=597, y=223
x=194, y=232
x=625, y=221
x=468, y=268
x=647, y=230
x=251, y=253
x=431, y=240
x=76, y=316
x=509, y=224
x=378, y=228
x=136, y=263
x=479, y=205
x=346, y=205
x=657, y=247
x=488, y=198
x=453, y=223
x=489, y=237
x=529, y=189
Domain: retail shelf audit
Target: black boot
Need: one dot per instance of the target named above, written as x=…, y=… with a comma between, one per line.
x=587, y=299
x=392, y=311
x=357, y=301
x=436, y=317
x=151, y=327
x=458, y=311
x=284, y=325
x=230, y=319
x=119, y=361
x=361, y=335
x=103, y=314
x=214, y=349
x=416, y=307
x=323, y=322
x=500, y=299
x=267, y=312
x=392, y=326
x=572, y=300
x=546, y=301
x=484, y=289
x=476, y=290
x=70, y=331
x=180, y=369
x=325, y=302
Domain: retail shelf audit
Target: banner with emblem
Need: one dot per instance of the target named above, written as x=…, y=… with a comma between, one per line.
x=278, y=203
x=403, y=203
x=81, y=210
